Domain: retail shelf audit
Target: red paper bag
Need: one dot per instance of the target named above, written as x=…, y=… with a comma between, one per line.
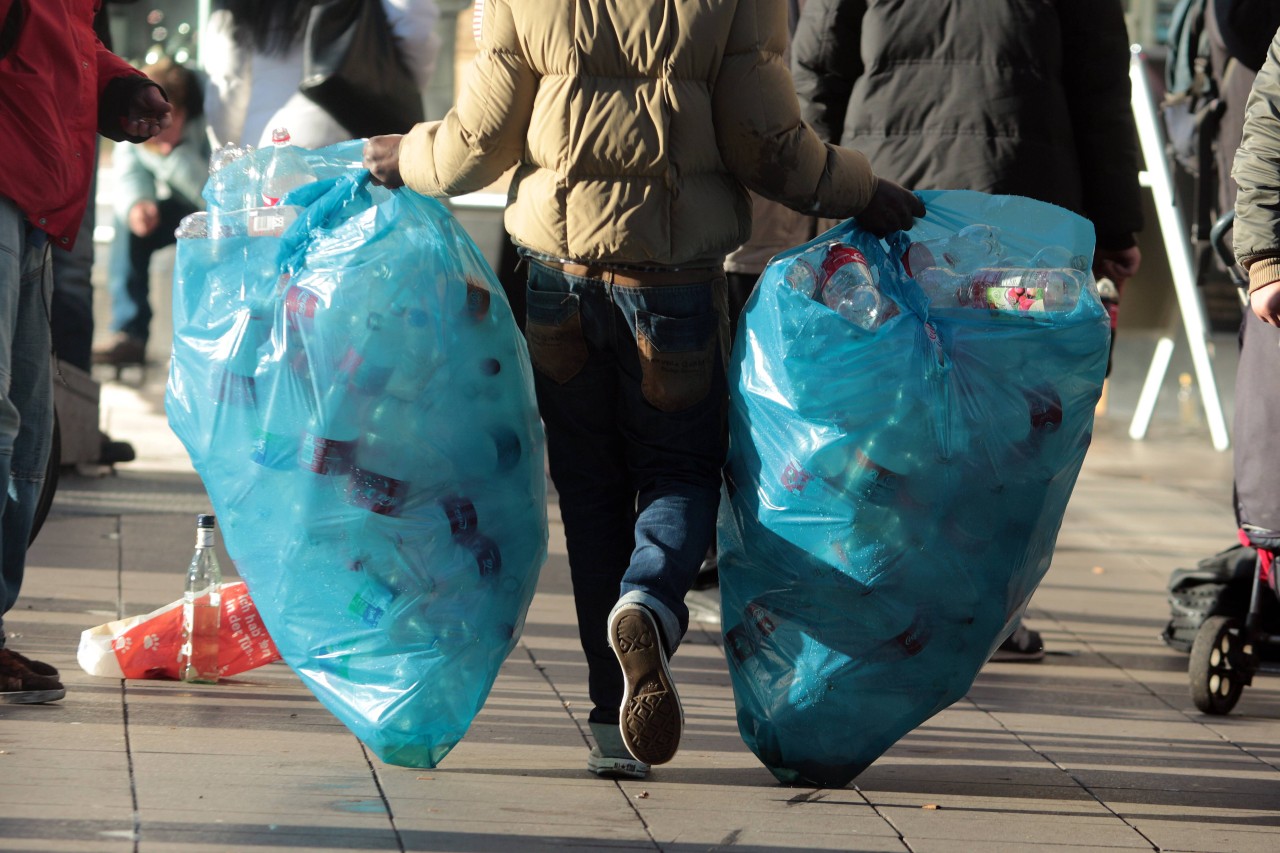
x=149, y=646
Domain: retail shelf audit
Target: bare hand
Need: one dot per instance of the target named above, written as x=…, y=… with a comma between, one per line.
x=149, y=113
x=1119, y=265
x=144, y=217
x=892, y=208
x=1265, y=302
x=382, y=159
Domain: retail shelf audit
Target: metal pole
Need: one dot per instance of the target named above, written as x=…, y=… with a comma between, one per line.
x=1178, y=248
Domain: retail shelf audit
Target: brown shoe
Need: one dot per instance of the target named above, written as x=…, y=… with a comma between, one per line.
x=20, y=686
x=38, y=667
x=122, y=349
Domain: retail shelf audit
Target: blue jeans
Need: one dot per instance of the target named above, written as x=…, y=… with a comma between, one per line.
x=129, y=274
x=26, y=390
x=630, y=378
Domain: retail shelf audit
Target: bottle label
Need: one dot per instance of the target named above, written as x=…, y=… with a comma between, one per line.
x=478, y=298
x=301, y=305
x=371, y=603
x=487, y=556
x=461, y=514
x=273, y=450
x=740, y=644
x=761, y=619
x=326, y=456
x=271, y=221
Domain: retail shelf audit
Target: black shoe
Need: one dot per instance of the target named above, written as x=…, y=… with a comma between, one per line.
x=121, y=350
x=113, y=452
x=1023, y=645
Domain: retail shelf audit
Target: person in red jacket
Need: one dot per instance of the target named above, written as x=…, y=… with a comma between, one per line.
x=59, y=87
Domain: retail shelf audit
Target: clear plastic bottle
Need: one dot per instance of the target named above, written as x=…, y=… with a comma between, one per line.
x=286, y=169
x=201, y=609
x=970, y=248
x=1014, y=290
x=850, y=288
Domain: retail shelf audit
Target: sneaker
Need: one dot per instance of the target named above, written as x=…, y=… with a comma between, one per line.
x=651, y=716
x=112, y=452
x=1022, y=645
x=20, y=686
x=122, y=349
x=609, y=757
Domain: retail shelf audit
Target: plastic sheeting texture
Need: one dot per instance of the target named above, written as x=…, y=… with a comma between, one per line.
x=893, y=497
x=358, y=400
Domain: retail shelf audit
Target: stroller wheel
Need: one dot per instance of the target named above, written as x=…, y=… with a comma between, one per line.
x=1219, y=665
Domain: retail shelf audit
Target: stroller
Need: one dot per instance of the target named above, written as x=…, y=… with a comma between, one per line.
x=1232, y=645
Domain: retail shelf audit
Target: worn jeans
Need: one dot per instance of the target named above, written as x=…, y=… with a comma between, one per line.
x=129, y=273
x=26, y=390
x=630, y=378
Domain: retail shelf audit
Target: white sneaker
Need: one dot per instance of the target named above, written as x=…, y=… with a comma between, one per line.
x=609, y=757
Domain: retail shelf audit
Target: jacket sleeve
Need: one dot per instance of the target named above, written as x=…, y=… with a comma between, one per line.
x=117, y=83
x=761, y=137
x=1256, y=235
x=826, y=62
x=1095, y=58
x=484, y=134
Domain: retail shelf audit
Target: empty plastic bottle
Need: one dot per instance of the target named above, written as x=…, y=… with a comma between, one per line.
x=971, y=248
x=850, y=288
x=286, y=169
x=1011, y=290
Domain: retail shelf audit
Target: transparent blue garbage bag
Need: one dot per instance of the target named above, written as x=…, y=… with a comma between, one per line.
x=894, y=494
x=358, y=400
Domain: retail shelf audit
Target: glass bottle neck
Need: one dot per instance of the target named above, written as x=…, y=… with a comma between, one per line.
x=204, y=537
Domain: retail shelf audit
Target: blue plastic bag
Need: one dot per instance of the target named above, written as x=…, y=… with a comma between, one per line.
x=893, y=495
x=358, y=400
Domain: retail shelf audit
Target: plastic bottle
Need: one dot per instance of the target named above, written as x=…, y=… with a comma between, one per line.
x=193, y=226
x=371, y=359
x=1011, y=290
x=328, y=445
x=286, y=169
x=234, y=382
x=971, y=248
x=201, y=609
x=849, y=288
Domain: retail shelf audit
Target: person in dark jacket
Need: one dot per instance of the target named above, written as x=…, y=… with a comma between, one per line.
x=1256, y=239
x=57, y=84
x=1029, y=99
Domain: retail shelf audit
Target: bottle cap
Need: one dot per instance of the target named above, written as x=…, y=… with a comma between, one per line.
x=203, y=520
x=280, y=135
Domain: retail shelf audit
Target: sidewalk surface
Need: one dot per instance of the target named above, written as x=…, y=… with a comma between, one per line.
x=1096, y=748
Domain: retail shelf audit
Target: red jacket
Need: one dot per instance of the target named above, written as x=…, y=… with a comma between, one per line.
x=58, y=86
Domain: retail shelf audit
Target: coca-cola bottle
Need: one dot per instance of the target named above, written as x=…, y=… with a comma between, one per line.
x=850, y=288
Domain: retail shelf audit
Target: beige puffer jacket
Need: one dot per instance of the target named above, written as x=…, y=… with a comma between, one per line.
x=636, y=125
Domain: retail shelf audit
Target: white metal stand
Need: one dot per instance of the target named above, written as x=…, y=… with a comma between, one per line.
x=1177, y=246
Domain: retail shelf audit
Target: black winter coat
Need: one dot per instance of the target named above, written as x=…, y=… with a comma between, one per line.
x=1022, y=97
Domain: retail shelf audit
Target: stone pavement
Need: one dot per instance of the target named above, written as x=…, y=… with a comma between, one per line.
x=1097, y=748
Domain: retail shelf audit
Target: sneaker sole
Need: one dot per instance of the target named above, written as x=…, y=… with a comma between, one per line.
x=617, y=768
x=31, y=697
x=651, y=717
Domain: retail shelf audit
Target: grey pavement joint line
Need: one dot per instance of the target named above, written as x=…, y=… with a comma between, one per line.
x=136, y=817
x=1073, y=777
x=564, y=703
x=382, y=795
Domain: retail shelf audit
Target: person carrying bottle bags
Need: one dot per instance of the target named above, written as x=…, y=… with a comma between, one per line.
x=636, y=131
x=57, y=84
